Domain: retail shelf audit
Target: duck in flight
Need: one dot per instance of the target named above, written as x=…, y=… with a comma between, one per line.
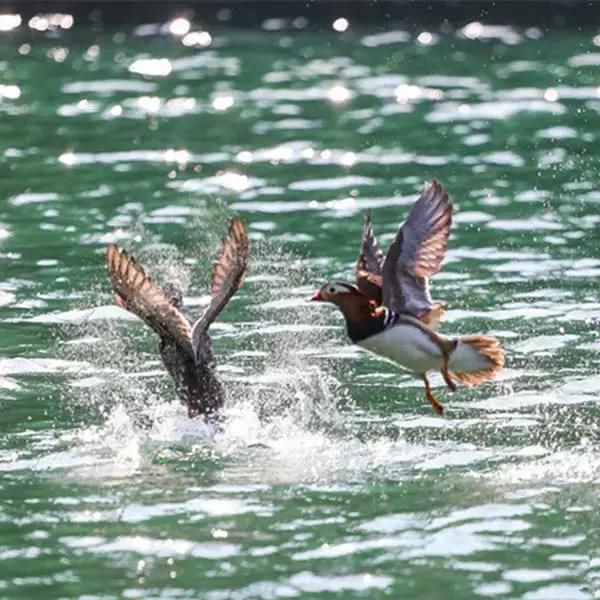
x=185, y=347
x=390, y=312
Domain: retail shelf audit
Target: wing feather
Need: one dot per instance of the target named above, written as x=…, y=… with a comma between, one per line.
x=417, y=252
x=369, y=263
x=370, y=258
x=227, y=277
x=136, y=292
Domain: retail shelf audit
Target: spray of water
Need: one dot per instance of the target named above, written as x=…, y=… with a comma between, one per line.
x=275, y=392
x=285, y=417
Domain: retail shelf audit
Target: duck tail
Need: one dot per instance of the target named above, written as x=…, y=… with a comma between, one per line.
x=476, y=359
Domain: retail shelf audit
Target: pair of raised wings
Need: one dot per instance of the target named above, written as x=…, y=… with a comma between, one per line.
x=400, y=280
x=135, y=291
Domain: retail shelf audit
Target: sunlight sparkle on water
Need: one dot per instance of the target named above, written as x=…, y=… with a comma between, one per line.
x=197, y=38
x=67, y=158
x=348, y=159
x=9, y=22
x=278, y=154
x=339, y=94
x=50, y=22
x=472, y=30
x=222, y=103
x=551, y=95
x=245, y=156
x=92, y=52
x=11, y=92
x=158, y=67
x=115, y=111
x=149, y=104
x=179, y=156
x=340, y=24
x=179, y=26
x=234, y=181
x=405, y=93
x=59, y=55
x=308, y=153
x=425, y=38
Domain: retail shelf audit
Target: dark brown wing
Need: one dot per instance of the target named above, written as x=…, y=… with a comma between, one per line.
x=369, y=263
x=136, y=292
x=417, y=252
x=227, y=276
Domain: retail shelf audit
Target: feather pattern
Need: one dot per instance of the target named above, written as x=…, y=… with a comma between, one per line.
x=369, y=263
x=417, y=253
x=136, y=292
x=227, y=277
x=370, y=258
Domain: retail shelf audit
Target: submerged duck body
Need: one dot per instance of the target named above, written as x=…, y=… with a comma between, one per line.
x=390, y=311
x=185, y=347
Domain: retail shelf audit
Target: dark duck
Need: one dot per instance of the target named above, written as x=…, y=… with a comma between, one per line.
x=390, y=310
x=185, y=347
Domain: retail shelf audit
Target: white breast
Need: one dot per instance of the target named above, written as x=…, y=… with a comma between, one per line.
x=407, y=346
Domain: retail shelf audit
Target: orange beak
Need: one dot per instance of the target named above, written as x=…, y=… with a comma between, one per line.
x=317, y=297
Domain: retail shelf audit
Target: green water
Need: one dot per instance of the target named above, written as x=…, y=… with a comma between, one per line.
x=331, y=478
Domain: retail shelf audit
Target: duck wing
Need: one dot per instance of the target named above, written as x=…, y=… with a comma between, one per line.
x=227, y=278
x=136, y=292
x=369, y=263
x=417, y=253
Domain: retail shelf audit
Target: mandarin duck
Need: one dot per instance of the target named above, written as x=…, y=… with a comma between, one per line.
x=390, y=312
x=185, y=347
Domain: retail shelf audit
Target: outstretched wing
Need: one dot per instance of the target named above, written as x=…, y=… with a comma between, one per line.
x=371, y=257
x=136, y=292
x=417, y=252
x=227, y=277
x=369, y=263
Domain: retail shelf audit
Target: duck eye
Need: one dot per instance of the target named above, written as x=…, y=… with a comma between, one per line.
x=331, y=290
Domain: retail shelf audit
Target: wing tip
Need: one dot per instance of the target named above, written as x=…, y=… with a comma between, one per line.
x=234, y=253
x=113, y=254
x=111, y=250
x=438, y=199
x=367, y=225
x=238, y=233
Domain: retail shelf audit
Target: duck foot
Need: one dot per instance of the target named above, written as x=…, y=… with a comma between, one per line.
x=437, y=407
x=446, y=375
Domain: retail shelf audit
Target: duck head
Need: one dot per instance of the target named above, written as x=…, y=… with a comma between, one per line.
x=351, y=301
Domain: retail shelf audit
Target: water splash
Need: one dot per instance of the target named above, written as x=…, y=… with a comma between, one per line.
x=277, y=398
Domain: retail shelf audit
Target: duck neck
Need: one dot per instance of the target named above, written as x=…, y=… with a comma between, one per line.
x=362, y=318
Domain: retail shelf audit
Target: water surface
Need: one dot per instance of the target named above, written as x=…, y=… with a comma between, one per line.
x=331, y=478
